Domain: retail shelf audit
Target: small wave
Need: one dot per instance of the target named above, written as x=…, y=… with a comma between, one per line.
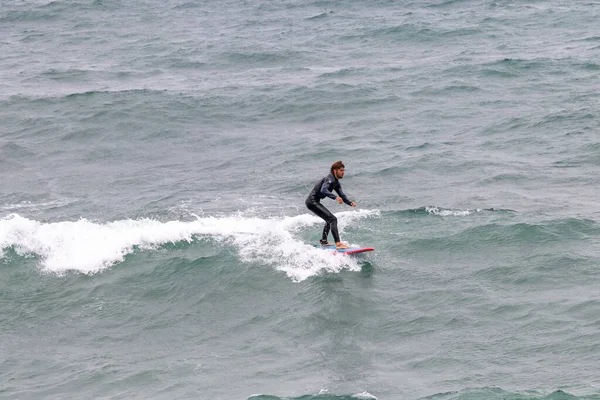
x=446, y=3
x=520, y=64
x=448, y=212
x=181, y=63
x=592, y=66
x=505, y=177
x=187, y=5
x=589, y=39
x=406, y=31
x=394, y=33
x=66, y=74
x=90, y=247
x=461, y=88
x=43, y=10
x=506, y=125
x=92, y=93
x=548, y=232
x=565, y=117
x=491, y=72
x=342, y=72
x=30, y=15
x=261, y=58
x=13, y=150
x=498, y=393
x=323, y=395
x=36, y=206
x=445, y=90
x=422, y=146
x=320, y=16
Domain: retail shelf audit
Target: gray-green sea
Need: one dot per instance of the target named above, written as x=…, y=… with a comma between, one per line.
x=154, y=161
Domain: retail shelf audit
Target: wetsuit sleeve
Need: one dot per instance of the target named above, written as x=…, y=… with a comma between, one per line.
x=342, y=195
x=325, y=189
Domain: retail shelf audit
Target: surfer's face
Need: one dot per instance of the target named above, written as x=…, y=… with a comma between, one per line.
x=339, y=173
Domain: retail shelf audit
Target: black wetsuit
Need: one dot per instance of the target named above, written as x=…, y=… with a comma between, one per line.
x=322, y=189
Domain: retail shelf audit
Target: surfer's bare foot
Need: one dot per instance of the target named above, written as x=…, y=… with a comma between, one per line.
x=340, y=245
x=325, y=243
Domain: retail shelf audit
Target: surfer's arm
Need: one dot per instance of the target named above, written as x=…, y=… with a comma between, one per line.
x=325, y=190
x=343, y=196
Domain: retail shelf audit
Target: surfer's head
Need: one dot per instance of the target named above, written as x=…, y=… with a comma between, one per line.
x=338, y=169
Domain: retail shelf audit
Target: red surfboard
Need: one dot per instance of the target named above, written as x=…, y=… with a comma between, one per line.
x=351, y=250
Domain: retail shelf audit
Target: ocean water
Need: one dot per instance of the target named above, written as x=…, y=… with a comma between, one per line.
x=154, y=161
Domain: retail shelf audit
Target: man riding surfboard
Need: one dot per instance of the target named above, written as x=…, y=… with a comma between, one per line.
x=324, y=188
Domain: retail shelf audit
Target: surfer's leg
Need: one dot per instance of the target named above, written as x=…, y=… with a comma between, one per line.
x=325, y=233
x=330, y=223
x=330, y=220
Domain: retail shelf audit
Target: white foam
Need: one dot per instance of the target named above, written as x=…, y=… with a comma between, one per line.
x=365, y=396
x=90, y=247
x=35, y=206
x=446, y=213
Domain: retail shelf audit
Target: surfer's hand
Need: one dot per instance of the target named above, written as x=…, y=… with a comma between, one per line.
x=353, y=204
x=339, y=200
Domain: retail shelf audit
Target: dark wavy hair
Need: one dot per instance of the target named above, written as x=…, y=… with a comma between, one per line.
x=337, y=165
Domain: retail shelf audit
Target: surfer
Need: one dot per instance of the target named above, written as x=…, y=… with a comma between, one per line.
x=322, y=189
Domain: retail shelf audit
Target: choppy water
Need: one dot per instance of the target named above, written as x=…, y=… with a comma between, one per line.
x=155, y=157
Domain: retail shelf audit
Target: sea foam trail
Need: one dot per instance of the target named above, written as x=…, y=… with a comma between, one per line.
x=91, y=247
